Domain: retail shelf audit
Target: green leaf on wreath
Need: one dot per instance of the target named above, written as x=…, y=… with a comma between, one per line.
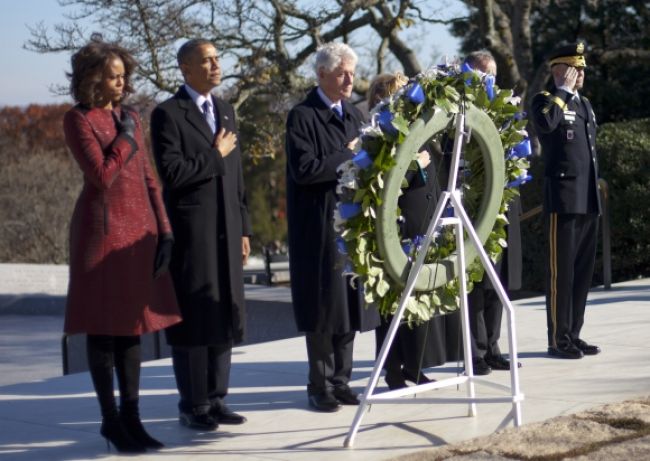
x=382, y=287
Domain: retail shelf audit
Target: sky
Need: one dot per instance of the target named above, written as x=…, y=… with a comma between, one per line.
x=27, y=77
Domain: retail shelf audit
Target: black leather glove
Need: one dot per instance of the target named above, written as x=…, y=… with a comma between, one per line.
x=163, y=256
x=126, y=123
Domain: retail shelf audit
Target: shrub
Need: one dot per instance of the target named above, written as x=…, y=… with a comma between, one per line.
x=38, y=190
x=624, y=155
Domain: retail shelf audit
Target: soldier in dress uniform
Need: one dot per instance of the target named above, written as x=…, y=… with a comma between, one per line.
x=566, y=126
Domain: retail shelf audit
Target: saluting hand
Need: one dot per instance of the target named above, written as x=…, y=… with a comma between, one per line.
x=568, y=78
x=225, y=142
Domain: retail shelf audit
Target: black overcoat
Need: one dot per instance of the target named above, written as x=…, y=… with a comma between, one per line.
x=205, y=198
x=421, y=346
x=566, y=127
x=316, y=145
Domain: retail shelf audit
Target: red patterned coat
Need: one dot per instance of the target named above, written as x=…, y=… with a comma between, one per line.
x=114, y=232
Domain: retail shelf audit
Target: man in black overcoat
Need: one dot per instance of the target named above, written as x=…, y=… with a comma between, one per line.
x=321, y=133
x=485, y=307
x=566, y=126
x=194, y=139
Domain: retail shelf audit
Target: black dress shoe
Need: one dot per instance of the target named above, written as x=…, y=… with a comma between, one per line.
x=345, y=395
x=499, y=362
x=395, y=381
x=416, y=378
x=587, y=349
x=565, y=351
x=224, y=415
x=201, y=421
x=480, y=366
x=324, y=402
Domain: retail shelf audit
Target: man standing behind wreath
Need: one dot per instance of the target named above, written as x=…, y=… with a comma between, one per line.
x=321, y=133
x=485, y=308
x=566, y=125
x=194, y=140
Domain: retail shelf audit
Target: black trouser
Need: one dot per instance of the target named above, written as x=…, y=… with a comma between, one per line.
x=330, y=360
x=202, y=375
x=122, y=353
x=485, y=312
x=571, y=256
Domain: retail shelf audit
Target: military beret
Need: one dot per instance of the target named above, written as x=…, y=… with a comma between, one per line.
x=571, y=55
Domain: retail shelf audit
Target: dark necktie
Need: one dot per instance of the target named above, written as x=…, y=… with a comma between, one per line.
x=208, y=113
x=338, y=111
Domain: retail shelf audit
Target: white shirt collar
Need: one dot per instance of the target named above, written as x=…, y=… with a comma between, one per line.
x=328, y=102
x=568, y=90
x=198, y=99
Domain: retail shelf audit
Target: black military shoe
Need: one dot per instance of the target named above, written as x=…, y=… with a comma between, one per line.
x=565, y=351
x=587, y=349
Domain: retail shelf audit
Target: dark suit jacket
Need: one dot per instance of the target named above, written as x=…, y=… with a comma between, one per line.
x=206, y=202
x=566, y=128
x=316, y=145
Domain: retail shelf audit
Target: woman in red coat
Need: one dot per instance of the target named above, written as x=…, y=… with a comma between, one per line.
x=120, y=239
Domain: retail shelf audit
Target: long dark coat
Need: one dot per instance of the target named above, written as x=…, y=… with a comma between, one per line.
x=116, y=223
x=422, y=346
x=316, y=145
x=205, y=198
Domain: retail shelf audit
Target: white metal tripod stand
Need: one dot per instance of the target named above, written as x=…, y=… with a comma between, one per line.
x=460, y=222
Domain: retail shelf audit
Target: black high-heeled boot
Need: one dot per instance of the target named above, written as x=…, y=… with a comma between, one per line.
x=136, y=430
x=114, y=432
x=127, y=366
x=100, y=362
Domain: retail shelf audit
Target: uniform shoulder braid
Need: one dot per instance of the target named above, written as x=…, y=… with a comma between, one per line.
x=552, y=99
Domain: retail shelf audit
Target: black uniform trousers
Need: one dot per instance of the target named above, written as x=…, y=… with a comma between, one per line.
x=202, y=375
x=330, y=361
x=572, y=240
x=485, y=312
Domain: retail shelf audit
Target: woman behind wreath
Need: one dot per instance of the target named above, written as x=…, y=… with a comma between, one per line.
x=421, y=346
x=120, y=239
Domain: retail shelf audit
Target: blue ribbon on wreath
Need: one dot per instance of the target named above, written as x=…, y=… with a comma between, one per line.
x=362, y=159
x=415, y=93
x=523, y=179
x=385, y=120
x=521, y=150
x=349, y=210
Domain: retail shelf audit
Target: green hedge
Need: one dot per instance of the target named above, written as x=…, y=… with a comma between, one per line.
x=624, y=155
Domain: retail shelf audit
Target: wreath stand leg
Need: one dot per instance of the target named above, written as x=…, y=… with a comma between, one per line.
x=460, y=222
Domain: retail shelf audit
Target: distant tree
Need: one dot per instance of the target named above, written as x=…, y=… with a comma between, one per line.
x=34, y=127
x=521, y=32
x=268, y=41
x=39, y=182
